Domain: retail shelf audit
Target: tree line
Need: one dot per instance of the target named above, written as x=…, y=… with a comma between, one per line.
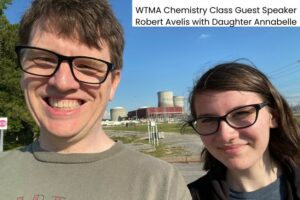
x=21, y=127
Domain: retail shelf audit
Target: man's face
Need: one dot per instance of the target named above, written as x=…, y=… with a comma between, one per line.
x=63, y=107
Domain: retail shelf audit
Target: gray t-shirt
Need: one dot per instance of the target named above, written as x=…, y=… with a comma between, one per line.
x=274, y=191
x=116, y=174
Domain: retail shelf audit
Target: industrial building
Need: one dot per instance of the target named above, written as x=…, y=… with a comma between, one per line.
x=170, y=108
x=157, y=113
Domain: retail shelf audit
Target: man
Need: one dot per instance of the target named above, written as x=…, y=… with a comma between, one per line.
x=71, y=58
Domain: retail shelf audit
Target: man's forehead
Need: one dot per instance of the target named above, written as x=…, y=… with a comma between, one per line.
x=39, y=29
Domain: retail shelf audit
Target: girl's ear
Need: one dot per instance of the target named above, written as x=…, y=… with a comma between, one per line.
x=273, y=120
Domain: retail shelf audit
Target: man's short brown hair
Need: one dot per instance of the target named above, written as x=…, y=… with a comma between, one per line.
x=90, y=21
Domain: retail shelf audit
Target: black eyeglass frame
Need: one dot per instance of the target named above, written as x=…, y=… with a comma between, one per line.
x=224, y=118
x=61, y=58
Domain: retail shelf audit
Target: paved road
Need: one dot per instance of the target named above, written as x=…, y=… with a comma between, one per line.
x=190, y=142
x=190, y=171
x=193, y=146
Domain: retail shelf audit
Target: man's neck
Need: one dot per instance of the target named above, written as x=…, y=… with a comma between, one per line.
x=93, y=143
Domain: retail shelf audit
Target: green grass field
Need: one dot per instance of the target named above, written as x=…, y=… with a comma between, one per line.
x=159, y=151
x=163, y=127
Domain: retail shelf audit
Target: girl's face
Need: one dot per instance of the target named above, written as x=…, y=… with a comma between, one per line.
x=237, y=149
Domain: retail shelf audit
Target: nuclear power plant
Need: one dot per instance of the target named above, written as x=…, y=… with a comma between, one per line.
x=169, y=108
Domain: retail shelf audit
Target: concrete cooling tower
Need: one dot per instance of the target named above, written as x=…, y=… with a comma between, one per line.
x=165, y=99
x=117, y=113
x=178, y=101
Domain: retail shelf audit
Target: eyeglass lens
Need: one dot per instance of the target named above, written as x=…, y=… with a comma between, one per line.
x=44, y=63
x=238, y=118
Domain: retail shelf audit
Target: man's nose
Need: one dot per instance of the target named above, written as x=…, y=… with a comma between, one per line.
x=63, y=79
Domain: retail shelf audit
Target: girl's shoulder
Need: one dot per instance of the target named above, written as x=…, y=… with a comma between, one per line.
x=210, y=186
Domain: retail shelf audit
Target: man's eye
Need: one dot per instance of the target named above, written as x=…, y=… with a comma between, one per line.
x=85, y=67
x=44, y=60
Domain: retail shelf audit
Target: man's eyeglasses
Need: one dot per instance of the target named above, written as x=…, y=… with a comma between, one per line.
x=42, y=62
x=238, y=118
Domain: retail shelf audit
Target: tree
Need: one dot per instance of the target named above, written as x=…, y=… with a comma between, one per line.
x=21, y=126
x=3, y=5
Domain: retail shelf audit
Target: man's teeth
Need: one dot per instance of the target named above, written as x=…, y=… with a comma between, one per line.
x=64, y=104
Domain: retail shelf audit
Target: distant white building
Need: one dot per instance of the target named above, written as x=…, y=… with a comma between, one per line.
x=118, y=113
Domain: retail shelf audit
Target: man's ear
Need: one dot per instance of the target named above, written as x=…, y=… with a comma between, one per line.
x=115, y=79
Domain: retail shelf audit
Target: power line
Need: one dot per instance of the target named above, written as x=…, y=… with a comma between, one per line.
x=285, y=71
x=284, y=68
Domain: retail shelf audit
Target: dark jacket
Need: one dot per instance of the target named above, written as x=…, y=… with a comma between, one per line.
x=213, y=186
